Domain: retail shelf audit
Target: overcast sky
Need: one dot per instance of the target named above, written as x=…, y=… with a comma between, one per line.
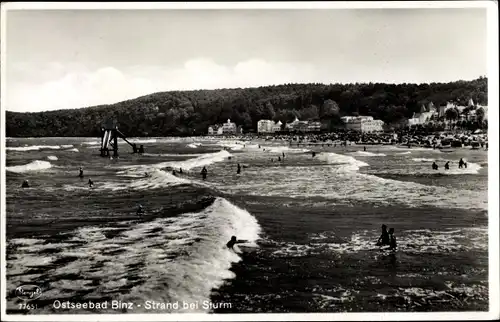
x=71, y=59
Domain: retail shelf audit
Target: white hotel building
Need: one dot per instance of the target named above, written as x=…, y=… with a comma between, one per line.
x=268, y=126
x=365, y=124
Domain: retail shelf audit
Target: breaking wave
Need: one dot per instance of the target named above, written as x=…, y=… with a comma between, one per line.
x=169, y=259
x=34, y=148
x=368, y=154
x=424, y=160
x=347, y=163
x=52, y=158
x=157, y=178
x=281, y=149
x=92, y=143
x=36, y=165
x=339, y=179
x=139, y=141
x=232, y=145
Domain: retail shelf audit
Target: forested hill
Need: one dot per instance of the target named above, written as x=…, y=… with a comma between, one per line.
x=191, y=112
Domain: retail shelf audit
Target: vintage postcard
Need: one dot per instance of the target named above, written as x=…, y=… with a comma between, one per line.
x=249, y=161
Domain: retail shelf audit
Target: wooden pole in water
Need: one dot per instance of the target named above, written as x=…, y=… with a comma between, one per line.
x=115, y=144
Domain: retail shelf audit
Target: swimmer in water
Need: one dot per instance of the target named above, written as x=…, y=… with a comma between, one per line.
x=140, y=210
x=230, y=244
x=25, y=184
x=81, y=173
x=384, y=238
x=204, y=172
x=238, y=171
x=180, y=170
x=447, y=165
x=91, y=183
x=392, y=239
x=434, y=166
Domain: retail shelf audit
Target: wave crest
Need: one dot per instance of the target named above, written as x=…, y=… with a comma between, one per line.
x=36, y=165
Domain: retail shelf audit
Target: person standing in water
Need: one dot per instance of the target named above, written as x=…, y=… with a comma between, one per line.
x=447, y=165
x=364, y=148
x=283, y=155
x=238, y=171
x=461, y=163
x=384, y=238
x=204, y=172
x=25, y=184
x=434, y=166
x=81, y=173
x=91, y=183
x=392, y=240
x=140, y=210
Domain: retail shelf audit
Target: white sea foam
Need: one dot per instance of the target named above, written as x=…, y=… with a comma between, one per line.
x=92, y=143
x=340, y=179
x=346, y=163
x=34, y=148
x=407, y=152
x=194, y=145
x=36, y=165
x=72, y=150
x=66, y=146
x=141, y=141
x=472, y=168
x=368, y=154
x=284, y=149
x=172, y=155
x=52, y=158
x=424, y=160
x=408, y=241
x=174, y=259
x=158, y=178
x=232, y=145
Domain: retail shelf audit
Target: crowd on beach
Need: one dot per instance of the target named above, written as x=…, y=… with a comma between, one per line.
x=463, y=139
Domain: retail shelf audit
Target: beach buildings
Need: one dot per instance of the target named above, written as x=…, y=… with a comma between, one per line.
x=426, y=115
x=265, y=126
x=277, y=127
x=365, y=124
x=268, y=126
x=215, y=129
x=229, y=127
x=226, y=128
x=303, y=126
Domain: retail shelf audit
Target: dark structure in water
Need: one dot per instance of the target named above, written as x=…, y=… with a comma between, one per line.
x=109, y=139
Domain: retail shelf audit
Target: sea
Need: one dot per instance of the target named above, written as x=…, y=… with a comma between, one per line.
x=309, y=225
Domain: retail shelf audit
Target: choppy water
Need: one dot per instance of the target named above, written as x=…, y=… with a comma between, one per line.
x=310, y=222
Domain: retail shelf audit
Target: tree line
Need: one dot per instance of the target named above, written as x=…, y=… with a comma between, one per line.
x=191, y=112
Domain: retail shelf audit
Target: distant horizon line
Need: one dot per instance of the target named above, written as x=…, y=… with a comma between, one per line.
x=256, y=87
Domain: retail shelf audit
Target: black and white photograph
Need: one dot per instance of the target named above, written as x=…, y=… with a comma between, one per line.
x=228, y=161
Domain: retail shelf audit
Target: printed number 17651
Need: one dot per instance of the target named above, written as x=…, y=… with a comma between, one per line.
x=27, y=306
